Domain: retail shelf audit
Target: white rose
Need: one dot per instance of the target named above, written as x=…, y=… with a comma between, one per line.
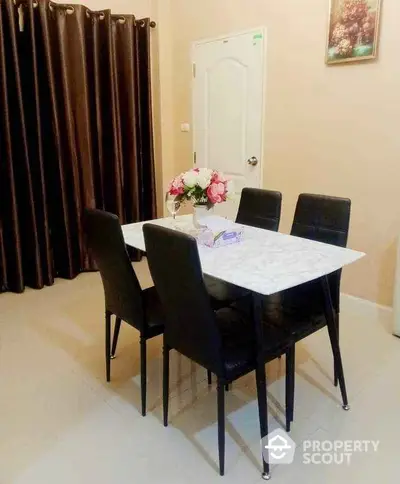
x=203, y=182
x=206, y=172
x=204, y=178
x=190, y=178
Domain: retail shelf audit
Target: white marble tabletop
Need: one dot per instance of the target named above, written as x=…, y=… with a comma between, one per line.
x=264, y=262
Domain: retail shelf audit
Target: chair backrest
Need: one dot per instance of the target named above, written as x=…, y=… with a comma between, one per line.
x=123, y=294
x=260, y=208
x=190, y=325
x=324, y=219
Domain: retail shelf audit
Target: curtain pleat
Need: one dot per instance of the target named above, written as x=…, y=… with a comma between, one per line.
x=75, y=132
x=35, y=94
x=12, y=259
x=145, y=126
x=128, y=162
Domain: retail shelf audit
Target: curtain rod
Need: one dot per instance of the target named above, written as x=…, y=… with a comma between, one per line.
x=152, y=24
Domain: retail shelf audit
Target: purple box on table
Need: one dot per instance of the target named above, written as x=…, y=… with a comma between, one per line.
x=219, y=232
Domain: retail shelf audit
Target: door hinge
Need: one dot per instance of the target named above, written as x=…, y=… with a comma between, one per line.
x=194, y=157
x=194, y=69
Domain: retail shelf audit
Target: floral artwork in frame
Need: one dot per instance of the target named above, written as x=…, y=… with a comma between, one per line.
x=353, y=30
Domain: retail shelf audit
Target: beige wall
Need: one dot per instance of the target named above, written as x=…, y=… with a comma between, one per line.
x=332, y=130
x=140, y=8
x=163, y=83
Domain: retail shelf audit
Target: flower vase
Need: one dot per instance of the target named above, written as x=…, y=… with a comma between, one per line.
x=199, y=213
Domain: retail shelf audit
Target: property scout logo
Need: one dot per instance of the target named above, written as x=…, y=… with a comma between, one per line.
x=279, y=448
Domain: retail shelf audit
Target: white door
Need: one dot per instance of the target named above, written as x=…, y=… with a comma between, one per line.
x=228, y=109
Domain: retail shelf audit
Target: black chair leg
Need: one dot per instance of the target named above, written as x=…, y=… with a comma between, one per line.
x=143, y=372
x=336, y=379
x=221, y=425
x=165, y=383
x=338, y=364
x=290, y=378
x=263, y=411
x=333, y=336
x=228, y=386
x=117, y=327
x=292, y=383
x=108, y=345
x=209, y=377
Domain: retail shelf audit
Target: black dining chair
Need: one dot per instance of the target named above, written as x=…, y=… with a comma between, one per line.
x=302, y=309
x=124, y=297
x=222, y=341
x=257, y=208
x=260, y=208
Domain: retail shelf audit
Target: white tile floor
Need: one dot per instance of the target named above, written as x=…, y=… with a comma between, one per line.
x=61, y=423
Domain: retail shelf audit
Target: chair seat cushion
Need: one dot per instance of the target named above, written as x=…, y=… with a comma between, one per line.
x=239, y=342
x=153, y=312
x=300, y=318
x=222, y=293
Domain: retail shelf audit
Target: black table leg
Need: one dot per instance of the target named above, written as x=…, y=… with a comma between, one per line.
x=261, y=381
x=335, y=377
x=334, y=337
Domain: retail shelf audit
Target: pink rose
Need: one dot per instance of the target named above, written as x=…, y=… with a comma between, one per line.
x=217, y=177
x=176, y=186
x=216, y=192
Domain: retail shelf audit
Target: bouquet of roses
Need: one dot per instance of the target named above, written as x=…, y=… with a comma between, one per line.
x=201, y=186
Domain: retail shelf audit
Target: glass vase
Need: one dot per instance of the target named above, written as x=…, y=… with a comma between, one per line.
x=199, y=213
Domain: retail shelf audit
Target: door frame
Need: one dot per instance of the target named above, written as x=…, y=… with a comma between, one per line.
x=208, y=40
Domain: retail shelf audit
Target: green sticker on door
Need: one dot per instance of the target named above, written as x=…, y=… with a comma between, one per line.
x=257, y=36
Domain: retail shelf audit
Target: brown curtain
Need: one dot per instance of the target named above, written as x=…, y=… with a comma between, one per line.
x=75, y=132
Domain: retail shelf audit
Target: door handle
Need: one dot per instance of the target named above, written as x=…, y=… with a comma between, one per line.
x=252, y=161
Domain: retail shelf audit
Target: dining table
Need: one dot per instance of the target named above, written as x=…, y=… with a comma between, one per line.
x=266, y=263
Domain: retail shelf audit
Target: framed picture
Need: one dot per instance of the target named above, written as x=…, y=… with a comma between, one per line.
x=353, y=30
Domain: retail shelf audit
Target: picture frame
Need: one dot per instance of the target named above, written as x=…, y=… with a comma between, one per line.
x=353, y=31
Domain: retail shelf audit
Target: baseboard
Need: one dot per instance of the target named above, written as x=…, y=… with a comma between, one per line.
x=367, y=302
x=375, y=307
